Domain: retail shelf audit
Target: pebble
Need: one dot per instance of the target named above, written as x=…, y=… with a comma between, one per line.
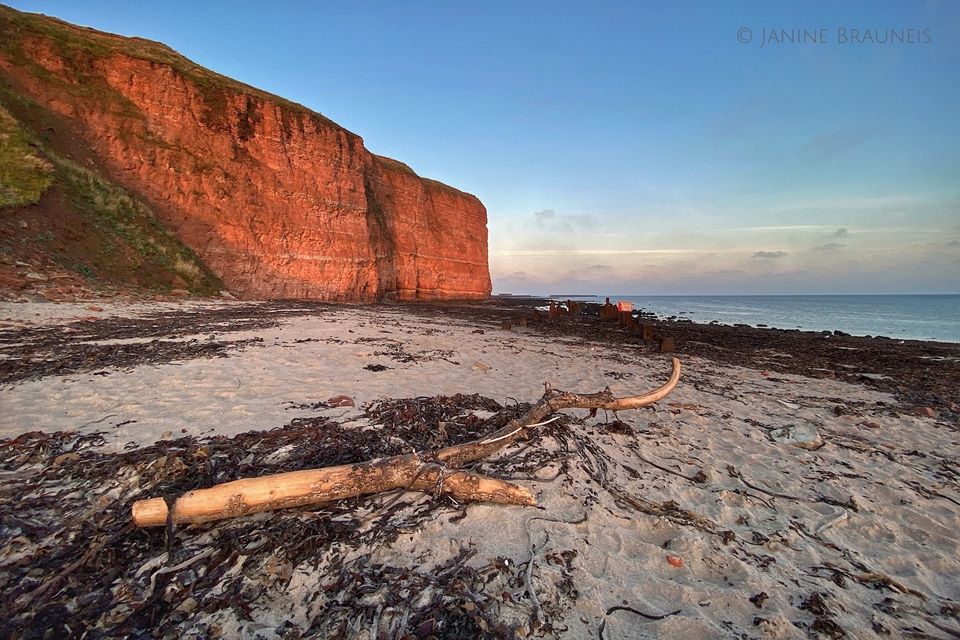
x=341, y=401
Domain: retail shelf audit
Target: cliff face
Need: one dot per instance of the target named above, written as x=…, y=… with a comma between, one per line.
x=277, y=200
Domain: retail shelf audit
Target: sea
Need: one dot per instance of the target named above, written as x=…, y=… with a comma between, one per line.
x=914, y=317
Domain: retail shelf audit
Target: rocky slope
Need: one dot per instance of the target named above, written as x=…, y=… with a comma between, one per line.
x=277, y=201
x=68, y=233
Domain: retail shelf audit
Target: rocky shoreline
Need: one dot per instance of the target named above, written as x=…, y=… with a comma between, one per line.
x=923, y=375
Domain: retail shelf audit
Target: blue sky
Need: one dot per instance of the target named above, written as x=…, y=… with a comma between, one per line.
x=626, y=148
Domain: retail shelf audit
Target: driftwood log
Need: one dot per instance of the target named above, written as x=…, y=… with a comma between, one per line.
x=433, y=471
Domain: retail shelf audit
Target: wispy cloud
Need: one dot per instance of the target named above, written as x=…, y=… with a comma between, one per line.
x=769, y=255
x=551, y=220
x=543, y=216
x=830, y=246
x=595, y=252
x=832, y=143
x=782, y=227
x=855, y=203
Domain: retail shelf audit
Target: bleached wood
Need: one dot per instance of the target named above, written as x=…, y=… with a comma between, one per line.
x=429, y=472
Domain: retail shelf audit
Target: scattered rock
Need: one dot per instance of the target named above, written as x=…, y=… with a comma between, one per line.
x=479, y=366
x=65, y=457
x=803, y=435
x=675, y=561
x=759, y=599
x=226, y=294
x=187, y=606
x=667, y=345
x=926, y=412
x=94, y=307
x=341, y=401
x=180, y=293
x=376, y=367
x=33, y=275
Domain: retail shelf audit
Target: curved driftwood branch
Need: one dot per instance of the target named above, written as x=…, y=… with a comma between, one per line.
x=429, y=471
x=551, y=402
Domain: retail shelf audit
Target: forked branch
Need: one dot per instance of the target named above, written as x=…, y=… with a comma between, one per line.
x=436, y=471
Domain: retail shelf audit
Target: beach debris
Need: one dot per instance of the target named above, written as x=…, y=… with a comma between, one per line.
x=340, y=401
x=759, y=599
x=675, y=561
x=436, y=471
x=803, y=435
x=479, y=366
x=93, y=343
x=184, y=583
x=648, y=616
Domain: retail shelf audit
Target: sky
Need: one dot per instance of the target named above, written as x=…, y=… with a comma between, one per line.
x=633, y=148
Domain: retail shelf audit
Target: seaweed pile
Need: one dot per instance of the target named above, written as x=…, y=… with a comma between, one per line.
x=96, y=343
x=71, y=563
x=919, y=374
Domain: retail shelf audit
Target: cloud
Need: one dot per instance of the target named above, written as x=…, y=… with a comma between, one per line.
x=954, y=243
x=830, y=246
x=840, y=233
x=827, y=145
x=546, y=214
x=768, y=255
x=596, y=252
x=553, y=221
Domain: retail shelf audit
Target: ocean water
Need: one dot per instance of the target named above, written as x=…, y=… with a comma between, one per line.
x=917, y=317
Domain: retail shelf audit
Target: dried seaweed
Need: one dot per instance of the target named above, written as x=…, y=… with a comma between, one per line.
x=92, y=344
x=63, y=496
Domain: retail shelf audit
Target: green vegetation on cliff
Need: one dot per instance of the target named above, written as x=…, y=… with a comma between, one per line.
x=24, y=175
x=52, y=207
x=81, y=47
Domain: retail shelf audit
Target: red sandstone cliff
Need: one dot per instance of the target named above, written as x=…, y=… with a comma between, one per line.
x=277, y=200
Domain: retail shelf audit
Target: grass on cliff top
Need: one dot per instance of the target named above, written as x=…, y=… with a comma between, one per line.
x=81, y=45
x=24, y=175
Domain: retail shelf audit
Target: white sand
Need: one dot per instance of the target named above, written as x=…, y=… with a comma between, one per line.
x=705, y=425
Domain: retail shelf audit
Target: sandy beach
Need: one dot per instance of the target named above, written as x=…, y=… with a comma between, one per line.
x=694, y=517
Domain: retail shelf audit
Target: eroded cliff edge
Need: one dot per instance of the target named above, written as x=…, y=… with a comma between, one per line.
x=277, y=201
